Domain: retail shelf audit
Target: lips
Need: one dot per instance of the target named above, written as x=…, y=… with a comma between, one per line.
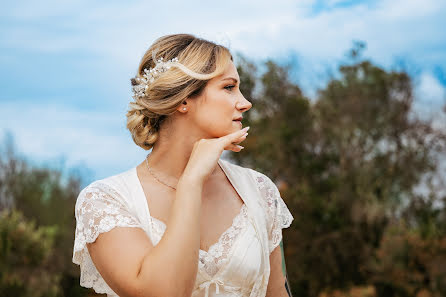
x=239, y=122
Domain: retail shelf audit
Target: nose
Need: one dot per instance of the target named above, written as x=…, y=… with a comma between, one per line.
x=243, y=104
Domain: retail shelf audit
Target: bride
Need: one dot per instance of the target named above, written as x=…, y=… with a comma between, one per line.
x=183, y=222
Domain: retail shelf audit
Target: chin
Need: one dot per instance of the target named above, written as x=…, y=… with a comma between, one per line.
x=237, y=124
x=222, y=131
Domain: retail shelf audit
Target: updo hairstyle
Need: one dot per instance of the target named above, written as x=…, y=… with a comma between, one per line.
x=203, y=60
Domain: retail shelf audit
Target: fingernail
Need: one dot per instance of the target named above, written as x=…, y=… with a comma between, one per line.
x=241, y=147
x=246, y=128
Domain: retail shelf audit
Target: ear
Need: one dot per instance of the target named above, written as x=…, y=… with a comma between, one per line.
x=183, y=108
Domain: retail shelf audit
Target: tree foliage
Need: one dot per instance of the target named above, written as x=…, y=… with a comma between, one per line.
x=35, y=200
x=347, y=163
x=26, y=251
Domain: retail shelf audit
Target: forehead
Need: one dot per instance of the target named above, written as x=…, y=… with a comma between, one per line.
x=230, y=71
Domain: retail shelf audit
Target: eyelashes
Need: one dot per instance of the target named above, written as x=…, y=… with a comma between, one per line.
x=230, y=87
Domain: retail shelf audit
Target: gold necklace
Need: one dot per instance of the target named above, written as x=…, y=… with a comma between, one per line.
x=150, y=170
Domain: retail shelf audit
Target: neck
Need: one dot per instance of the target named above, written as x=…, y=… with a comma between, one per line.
x=171, y=153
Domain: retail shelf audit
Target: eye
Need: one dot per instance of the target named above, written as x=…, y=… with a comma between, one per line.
x=230, y=87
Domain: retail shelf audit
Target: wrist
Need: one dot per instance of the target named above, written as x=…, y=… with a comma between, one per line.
x=190, y=180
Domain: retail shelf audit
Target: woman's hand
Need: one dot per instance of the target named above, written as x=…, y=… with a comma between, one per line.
x=206, y=152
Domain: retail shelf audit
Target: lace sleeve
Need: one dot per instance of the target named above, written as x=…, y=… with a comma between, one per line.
x=99, y=208
x=278, y=214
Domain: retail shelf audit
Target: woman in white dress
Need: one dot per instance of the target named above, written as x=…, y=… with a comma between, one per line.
x=184, y=222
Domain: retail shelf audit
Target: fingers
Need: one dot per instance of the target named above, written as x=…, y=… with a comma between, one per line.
x=240, y=139
x=242, y=131
x=233, y=137
x=234, y=147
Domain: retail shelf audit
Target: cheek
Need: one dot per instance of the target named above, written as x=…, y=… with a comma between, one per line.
x=219, y=108
x=217, y=123
x=216, y=113
x=216, y=118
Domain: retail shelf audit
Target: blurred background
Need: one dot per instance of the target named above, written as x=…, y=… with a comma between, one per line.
x=348, y=119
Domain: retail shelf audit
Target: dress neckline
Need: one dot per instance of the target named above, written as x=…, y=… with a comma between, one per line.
x=220, y=239
x=222, y=165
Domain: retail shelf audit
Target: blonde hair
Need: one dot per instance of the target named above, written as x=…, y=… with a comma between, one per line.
x=200, y=60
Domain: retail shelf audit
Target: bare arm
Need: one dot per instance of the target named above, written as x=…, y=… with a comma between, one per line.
x=128, y=261
x=278, y=282
x=133, y=267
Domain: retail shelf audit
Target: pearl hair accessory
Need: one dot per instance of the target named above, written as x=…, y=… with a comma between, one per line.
x=151, y=74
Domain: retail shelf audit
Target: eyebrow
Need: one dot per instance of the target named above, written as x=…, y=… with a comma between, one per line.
x=231, y=78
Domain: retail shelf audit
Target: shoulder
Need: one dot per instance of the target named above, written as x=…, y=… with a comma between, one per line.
x=114, y=186
x=261, y=179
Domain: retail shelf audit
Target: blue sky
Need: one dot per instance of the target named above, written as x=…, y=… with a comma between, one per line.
x=65, y=66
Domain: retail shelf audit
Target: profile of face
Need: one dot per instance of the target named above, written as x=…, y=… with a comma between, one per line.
x=214, y=111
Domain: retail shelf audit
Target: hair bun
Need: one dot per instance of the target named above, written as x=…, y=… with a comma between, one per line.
x=154, y=103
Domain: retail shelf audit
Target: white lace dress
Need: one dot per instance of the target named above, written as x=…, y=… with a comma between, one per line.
x=231, y=265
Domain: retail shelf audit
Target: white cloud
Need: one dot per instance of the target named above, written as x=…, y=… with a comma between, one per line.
x=430, y=90
x=96, y=138
x=430, y=97
x=122, y=32
x=118, y=33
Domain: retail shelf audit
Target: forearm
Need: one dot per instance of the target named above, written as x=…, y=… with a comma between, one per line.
x=176, y=255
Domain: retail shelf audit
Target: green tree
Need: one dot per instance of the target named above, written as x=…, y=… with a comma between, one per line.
x=46, y=197
x=346, y=163
x=25, y=253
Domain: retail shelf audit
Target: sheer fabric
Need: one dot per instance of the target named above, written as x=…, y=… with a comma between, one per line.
x=217, y=254
x=99, y=208
x=233, y=265
x=278, y=215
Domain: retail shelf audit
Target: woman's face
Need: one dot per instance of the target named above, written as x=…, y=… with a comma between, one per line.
x=220, y=103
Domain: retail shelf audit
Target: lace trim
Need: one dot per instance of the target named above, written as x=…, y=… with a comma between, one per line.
x=217, y=255
x=278, y=214
x=99, y=208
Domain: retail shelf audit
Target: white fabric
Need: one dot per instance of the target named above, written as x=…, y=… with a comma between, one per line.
x=236, y=265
